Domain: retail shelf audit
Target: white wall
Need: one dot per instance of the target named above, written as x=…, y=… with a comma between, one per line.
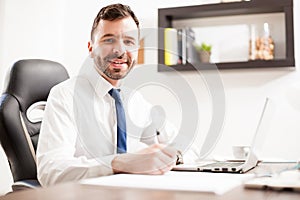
x=32, y=29
x=5, y=175
x=2, y=13
x=59, y=30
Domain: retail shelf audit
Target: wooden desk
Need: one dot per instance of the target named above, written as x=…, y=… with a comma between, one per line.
x=75, y=191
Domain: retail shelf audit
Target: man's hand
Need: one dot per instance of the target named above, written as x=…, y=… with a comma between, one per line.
x=156, y=159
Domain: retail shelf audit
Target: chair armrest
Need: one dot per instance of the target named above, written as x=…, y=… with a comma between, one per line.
x=25, y=184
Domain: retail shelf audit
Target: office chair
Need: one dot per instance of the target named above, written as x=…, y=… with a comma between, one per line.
x=21, y=104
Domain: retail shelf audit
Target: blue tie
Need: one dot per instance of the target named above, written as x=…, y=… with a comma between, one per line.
x=121, y=121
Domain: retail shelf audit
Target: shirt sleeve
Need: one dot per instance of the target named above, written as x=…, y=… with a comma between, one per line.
x=57, y=145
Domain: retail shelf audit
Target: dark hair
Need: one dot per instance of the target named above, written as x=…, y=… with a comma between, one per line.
x=113, y=12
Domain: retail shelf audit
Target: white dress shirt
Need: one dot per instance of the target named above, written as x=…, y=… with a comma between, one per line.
x=79, y=129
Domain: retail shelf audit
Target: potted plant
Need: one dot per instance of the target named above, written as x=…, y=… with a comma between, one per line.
x=204, y=51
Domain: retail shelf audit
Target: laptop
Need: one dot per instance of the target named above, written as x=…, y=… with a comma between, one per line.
x=237, y=166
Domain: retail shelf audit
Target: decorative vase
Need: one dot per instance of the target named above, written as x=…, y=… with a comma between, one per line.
x=204, y=56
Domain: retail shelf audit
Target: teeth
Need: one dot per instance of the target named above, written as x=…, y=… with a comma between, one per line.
x=118, y=62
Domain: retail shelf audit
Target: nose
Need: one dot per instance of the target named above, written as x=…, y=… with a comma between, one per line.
x=119, y=48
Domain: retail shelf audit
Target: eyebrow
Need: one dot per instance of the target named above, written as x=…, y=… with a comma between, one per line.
x=108, y=35
x=129, y=37
x=112, y=35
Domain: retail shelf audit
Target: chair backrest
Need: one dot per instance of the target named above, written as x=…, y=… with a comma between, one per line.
x=28, y=85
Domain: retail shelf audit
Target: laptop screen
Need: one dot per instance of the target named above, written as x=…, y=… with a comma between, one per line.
x=263, y=126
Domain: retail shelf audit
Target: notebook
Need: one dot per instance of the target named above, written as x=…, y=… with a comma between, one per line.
x=237, y=166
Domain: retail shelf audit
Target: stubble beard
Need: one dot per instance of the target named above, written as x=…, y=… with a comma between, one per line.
x=114, y=74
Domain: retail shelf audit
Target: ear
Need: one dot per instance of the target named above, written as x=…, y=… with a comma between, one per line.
x=90, y=46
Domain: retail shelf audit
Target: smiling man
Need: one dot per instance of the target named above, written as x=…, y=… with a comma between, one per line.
x=84, y=132
x=114, y=43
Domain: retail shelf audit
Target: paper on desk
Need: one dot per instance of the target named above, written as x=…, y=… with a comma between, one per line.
x=184, y=181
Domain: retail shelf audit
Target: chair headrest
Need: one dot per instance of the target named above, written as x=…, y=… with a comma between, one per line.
x=30, y=80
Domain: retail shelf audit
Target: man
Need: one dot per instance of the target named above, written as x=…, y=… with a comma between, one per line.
x=73, y=144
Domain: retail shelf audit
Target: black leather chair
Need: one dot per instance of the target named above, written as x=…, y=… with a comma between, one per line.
x=27, y=86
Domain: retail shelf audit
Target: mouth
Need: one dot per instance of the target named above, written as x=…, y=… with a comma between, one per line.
x=118, y=63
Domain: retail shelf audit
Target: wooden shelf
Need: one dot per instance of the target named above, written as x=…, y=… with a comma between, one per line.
x=228, y=65
x=166, y=16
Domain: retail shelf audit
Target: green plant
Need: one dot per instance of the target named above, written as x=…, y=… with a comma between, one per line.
x=203, y=47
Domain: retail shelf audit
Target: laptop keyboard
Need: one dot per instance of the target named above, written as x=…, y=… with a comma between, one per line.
x=224, y=164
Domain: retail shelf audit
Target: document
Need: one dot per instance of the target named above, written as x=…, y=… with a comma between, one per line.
x=180, y=181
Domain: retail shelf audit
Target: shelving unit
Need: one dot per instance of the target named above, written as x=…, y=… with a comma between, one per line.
x=167, y=16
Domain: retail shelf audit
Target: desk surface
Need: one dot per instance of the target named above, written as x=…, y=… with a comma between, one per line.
x=76, y=191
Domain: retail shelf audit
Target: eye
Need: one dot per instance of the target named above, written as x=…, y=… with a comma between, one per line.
x=129, y=42
x=109, y=40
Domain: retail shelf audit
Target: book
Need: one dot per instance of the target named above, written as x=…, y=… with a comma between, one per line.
x=171, y=46
x=181, y=38
x=191, y=52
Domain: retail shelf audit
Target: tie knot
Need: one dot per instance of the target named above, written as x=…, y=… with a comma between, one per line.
x=115, y=93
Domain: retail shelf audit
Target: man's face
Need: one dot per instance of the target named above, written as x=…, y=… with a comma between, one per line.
x=114, y=48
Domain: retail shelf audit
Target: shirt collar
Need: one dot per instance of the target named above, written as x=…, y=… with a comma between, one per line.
x=99, y=84
x=102, y=86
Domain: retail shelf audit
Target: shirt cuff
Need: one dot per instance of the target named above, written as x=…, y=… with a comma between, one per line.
x=105, y=165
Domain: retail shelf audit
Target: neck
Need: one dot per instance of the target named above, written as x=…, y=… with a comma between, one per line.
x=114, y=83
